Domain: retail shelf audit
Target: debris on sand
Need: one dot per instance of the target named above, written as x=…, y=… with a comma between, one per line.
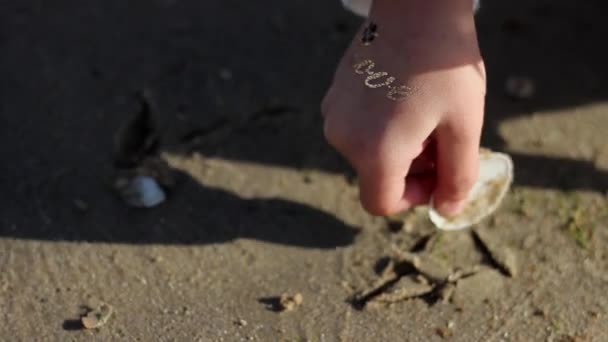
x=414, y=275
x=441, y=272
x=386, y=279
x=503, y=256
x=405, y=288
x=444, y=332
x=387, y=276
x=428, y=266
x=520, y=87
x=446, y=292
x=463, y=273
x=240, y=322
x=290, y=303
x=430, y=279
x=97, y=318
x=140, y=192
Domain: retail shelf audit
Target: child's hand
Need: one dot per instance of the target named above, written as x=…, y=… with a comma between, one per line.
x=427, y=144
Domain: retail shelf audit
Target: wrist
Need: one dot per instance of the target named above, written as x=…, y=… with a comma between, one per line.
x=422, y=12
x=430, y=31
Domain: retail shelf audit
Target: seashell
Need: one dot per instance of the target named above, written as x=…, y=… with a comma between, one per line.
x=142, y=192
x=495, y=178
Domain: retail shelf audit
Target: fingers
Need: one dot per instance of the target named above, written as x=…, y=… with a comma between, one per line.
x=421, y=166
x=389, y=189
x=389, y=180
x=425, y=162
x=418, y=189
x=381, y=188
x=457, y=162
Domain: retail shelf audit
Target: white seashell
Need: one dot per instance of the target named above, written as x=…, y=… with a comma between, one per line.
x=495, y=177
x=143, y=192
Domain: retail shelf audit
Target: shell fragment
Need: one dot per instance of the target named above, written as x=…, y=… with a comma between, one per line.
x=495, y=178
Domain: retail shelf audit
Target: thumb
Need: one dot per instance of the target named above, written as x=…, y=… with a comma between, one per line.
x=457, y=165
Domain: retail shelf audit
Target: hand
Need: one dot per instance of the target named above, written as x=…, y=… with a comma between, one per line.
x=426, y=145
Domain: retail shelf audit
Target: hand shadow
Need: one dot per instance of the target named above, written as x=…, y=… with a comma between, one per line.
x=193, y=214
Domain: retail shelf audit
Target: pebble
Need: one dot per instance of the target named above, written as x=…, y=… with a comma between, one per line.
x=444, y=332
x=98, y=317
x=289, y=303
x=241, y=322
x=446, y=292
x=520, y=87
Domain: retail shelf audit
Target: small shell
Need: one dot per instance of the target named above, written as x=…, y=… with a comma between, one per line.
x=142, y=192
x=495, y=177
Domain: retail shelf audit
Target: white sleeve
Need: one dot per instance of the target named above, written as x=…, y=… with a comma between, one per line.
x=361, y=7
